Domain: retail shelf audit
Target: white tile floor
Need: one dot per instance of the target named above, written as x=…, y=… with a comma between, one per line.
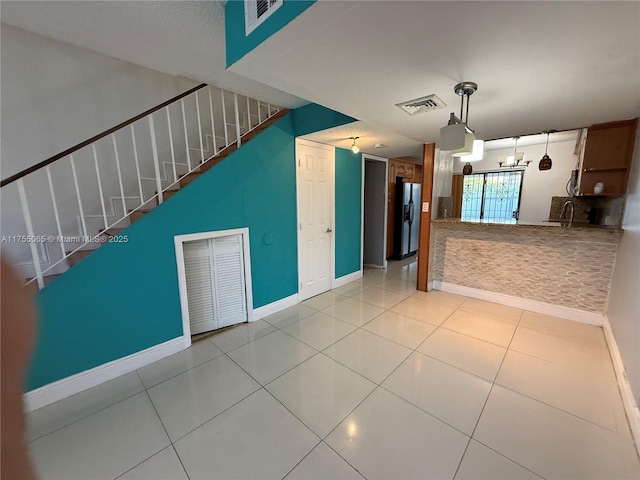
x=372, y=380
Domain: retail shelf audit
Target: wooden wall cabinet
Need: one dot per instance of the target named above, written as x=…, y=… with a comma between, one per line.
x=410, y=172
x=607, y=157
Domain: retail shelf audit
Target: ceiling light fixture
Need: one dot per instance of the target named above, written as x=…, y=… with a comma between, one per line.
x=456, y=136
x=545, y=161
x=515, y=160
x=354, y=147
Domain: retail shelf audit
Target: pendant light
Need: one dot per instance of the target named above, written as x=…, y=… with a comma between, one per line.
x=545, y=161
x=456, y=136
x=354, y=147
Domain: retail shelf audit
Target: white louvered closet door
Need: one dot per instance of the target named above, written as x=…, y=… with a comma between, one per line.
x=198, y=266
x=231, y=299
x=216, y=295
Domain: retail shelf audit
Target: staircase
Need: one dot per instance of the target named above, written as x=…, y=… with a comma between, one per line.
x=188, y=134
x=204, y=166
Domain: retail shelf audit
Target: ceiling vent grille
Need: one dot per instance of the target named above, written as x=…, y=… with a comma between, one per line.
x=423, y=104
x=257, y=11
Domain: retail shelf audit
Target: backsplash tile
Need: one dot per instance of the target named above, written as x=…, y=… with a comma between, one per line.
x=593, y=210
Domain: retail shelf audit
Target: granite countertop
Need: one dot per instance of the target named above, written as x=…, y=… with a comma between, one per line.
x=554, y=224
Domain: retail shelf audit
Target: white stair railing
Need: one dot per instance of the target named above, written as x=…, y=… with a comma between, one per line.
x=103, y=181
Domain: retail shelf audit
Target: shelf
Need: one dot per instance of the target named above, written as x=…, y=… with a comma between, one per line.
x=587, y=170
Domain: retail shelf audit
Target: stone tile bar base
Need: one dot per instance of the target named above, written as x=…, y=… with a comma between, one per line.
x=560, y=266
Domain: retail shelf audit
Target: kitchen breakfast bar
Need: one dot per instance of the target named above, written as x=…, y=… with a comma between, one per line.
x=545, y=262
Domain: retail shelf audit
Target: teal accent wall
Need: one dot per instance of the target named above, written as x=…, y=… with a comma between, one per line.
x=238, y=44
x=124, y=297
x=348, y=213
x=313, y=118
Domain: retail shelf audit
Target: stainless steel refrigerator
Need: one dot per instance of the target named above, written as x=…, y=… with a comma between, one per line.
x=407, y=218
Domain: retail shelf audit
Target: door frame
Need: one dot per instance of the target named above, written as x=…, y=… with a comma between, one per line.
x=179, y=241
x=332, y=208
x=376, y=158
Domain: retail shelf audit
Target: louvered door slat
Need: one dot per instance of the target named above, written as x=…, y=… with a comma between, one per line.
x=200, y=283
x=215, y=280
x=229, y=278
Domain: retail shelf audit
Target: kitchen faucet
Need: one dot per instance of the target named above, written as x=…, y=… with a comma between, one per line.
x=564, y=207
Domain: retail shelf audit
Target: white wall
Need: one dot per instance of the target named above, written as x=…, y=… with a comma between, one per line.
x=56, y=95
x=538, y=186
x=624, y=301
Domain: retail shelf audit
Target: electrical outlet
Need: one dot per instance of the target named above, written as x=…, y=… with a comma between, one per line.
x=425, y=207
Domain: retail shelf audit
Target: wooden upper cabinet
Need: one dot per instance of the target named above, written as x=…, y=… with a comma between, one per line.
x=607, y=157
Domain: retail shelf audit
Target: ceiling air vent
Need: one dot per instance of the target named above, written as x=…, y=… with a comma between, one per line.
x=257, y=11
x=423, y=104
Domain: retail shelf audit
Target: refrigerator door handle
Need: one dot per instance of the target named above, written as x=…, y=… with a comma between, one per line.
x=411, y=211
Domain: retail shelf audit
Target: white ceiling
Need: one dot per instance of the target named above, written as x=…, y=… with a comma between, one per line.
x=183, y=38
x=539, y=65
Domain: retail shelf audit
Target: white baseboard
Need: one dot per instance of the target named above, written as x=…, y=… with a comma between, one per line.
x=294, y=299
x=628, y=400
x=531, y=305
x=276, y=306
x=351, y=277
x=66, y=387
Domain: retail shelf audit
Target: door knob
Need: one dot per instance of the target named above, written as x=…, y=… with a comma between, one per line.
x=329, y=230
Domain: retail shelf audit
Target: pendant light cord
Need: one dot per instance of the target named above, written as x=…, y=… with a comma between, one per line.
x=546, y=148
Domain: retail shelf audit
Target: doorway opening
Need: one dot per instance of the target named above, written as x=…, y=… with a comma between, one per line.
x=375, y=198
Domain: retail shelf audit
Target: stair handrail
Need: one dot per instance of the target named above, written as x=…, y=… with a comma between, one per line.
x=95, y=138
x=111, y=218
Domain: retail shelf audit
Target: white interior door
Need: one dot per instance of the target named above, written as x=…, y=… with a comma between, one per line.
x=230, y=295
x=315, y=182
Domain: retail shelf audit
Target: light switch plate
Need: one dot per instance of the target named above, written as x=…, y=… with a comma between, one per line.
x=425, y=206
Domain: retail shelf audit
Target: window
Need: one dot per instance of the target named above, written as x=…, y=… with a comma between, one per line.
x=492, y=197
x=257, y=11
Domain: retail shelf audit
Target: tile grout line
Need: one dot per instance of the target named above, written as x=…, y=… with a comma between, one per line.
x=485, y=405
x=88, y=415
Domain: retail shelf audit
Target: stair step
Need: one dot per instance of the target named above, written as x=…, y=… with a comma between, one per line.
x=187, y=179
x=75, y=257
x=32, y=287
x=166, y=194
x=105, y=235
x=137, y=215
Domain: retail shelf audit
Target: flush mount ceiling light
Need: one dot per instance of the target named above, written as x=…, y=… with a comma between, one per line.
x=515, y=160
x=354, y=147
x=545, y=161
x=456, y=136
